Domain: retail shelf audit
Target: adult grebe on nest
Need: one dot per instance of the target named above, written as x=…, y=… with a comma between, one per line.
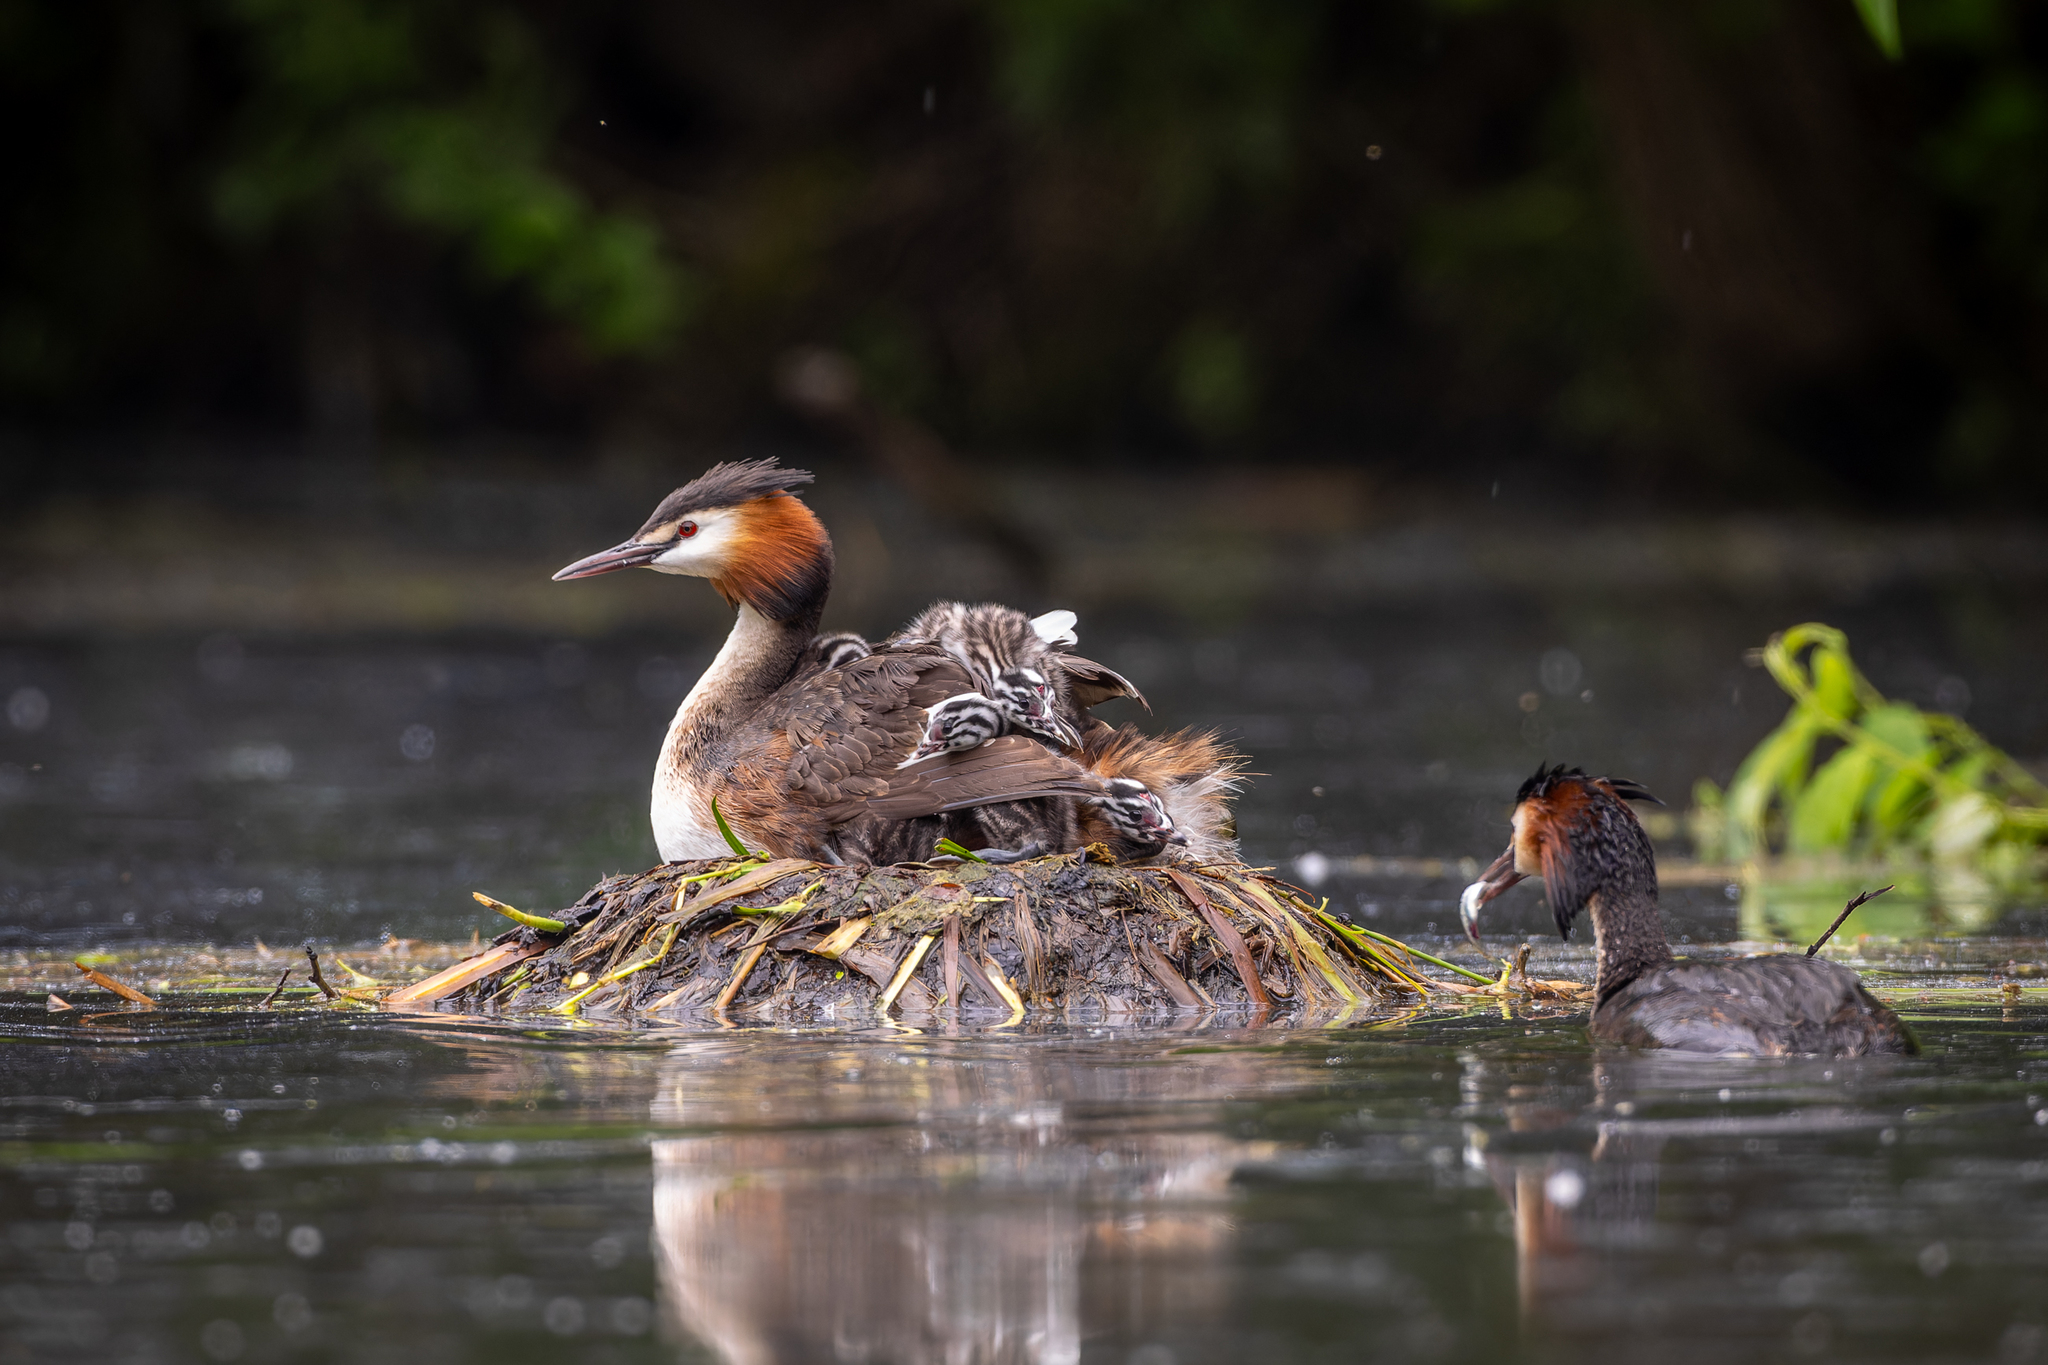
x=1579, y=835
x=809, y=743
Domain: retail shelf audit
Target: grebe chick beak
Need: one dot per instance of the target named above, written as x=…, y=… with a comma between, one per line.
x=631, y=555
x=1491, y=883
x=1059, y=730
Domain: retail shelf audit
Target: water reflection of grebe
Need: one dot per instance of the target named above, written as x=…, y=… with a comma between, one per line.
x=1578, y=834
x=1582, y=1181
x=994, y=1226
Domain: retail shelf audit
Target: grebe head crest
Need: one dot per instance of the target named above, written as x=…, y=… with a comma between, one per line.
x=739, y=526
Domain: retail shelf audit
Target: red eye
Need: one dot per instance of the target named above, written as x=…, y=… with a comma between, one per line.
x=685, y=530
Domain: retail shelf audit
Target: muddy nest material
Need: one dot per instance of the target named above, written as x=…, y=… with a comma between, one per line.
x=795, y=940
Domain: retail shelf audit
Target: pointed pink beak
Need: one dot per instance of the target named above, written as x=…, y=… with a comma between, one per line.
x=631, y=555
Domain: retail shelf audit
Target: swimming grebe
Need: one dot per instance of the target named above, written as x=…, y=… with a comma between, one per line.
x=1579, y=835
x=803, y=762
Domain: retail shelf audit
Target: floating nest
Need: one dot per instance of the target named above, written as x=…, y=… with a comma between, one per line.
x=1073, y=935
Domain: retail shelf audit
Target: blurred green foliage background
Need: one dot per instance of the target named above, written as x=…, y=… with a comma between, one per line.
x=1664, y=247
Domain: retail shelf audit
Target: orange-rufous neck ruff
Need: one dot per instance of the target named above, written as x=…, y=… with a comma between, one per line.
x=780, y=562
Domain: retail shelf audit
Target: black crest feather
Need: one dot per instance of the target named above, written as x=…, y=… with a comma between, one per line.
x=1598, y=843
x=1544, y=779
x=1627, y=788
x=728, y=485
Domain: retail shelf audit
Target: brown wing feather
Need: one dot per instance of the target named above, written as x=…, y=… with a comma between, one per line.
x=849, y=728
x=1092, y=684
x=1008, y=768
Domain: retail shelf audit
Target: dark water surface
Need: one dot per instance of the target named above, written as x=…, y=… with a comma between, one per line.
x=192, y=1187
x=203, y=1184
x=219, y=788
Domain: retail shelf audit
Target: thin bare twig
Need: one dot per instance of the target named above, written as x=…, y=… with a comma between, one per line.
x=276, y=991
x=318, y=980
x=1866, y=896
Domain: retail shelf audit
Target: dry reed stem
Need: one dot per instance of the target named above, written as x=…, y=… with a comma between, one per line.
x=949, y=967
x=907, y=970
x=120, y=988
x=1227, y=935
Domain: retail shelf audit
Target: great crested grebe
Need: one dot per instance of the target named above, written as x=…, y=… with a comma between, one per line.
x=802, y=760
x=1579, y=835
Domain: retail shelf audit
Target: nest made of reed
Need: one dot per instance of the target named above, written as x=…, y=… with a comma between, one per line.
x=790, y=940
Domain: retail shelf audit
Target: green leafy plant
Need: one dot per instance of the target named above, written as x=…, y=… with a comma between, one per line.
x=1850, y=770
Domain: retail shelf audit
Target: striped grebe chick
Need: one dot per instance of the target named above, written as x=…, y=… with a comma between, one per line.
x=1020, y=666
x=1191, y=775
x=1579, y=835
x=835, y=650
x=805, y=762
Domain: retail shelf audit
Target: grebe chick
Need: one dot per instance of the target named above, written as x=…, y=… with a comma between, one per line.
x=1137, y=818
x=1019, y=666
x=967, y=721
x=835, y=650
x=804, y=764
x=1579, y=835
x=1191, y=776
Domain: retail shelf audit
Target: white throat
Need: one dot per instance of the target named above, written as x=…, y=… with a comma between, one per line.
x=680, y=811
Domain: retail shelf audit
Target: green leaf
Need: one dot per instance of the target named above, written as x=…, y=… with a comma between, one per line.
x=1895, y=804
x=1897, y=799
x=1881, y=17
x=1962, y=825
x=1824, y=817
x=1777, y=766
x=732, y=841
x=956, y=850
x=540, y=923
x=1834, y=683
x=1900, y=725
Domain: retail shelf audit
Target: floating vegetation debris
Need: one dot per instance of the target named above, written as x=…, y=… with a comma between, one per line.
x=122, y=989
x=540, y=922
x=1076, y=934
x=278, y=989
x=1850, y=771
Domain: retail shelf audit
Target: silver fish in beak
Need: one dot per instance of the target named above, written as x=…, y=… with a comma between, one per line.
x=1491, y=883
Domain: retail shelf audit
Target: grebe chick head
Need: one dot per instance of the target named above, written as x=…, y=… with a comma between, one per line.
x=1027, y=697
x=1578, y=834
x=961, y=722
x=739, y=526
x=838, y=649
x=1136, y=813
